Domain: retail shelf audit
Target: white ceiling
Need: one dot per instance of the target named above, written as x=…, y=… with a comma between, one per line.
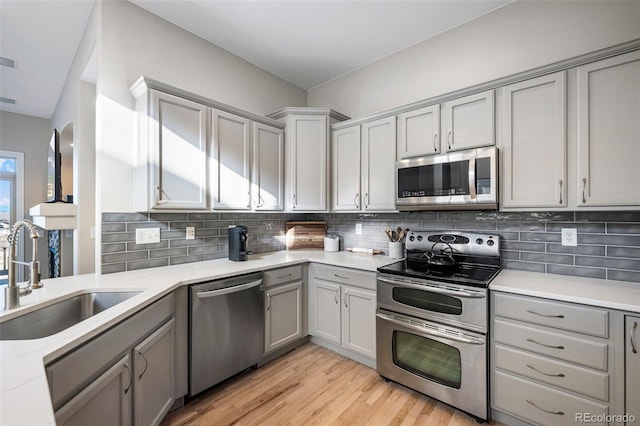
x=304, y=42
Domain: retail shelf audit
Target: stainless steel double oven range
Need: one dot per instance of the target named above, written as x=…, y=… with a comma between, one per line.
x=432, y=316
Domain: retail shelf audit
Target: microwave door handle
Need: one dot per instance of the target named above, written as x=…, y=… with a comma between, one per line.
x=472, y=178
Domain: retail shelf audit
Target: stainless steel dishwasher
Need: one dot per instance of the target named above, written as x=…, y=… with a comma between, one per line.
x=226, y=325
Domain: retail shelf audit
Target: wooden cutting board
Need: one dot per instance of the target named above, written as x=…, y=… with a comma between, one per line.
x=305, y=234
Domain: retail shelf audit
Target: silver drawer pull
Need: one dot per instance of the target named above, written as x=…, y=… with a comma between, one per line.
x=546, y=374
x=560, y=413
x=340, y=276
x=284, y=276
x=632, y=336
x=531, y=311
x=544, y=344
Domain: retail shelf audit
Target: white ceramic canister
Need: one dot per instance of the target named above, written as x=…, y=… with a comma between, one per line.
x=331, y=243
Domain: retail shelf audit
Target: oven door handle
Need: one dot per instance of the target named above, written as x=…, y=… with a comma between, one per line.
x=434, y=289
x=468, y=339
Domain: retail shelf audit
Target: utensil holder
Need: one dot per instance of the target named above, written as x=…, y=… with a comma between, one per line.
x=396, y=249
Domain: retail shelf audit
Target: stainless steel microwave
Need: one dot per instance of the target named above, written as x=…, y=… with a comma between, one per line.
x=457, y=180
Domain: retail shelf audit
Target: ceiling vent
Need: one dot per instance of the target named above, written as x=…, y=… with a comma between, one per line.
x=6, y=62
x=7, y=100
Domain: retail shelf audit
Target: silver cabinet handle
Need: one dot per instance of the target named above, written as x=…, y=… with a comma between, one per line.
x=228, y=290
x=560, y=413
x=340, y=276
x=344, y=298
x=268, y=300
x=560, y=191
x=355, y=202
x=260, y=201
x=295, y=201
x=284, y=276
x=146, y=365
x=366, y=200
x=545, y=345
x=632, y=336
x=584, y=190
x=449, y=139
x=335, y=296
x=160, y=191
x=435, y=139
x=248, y=200
x=531, y=311
x=130, y=378
x=546, y=374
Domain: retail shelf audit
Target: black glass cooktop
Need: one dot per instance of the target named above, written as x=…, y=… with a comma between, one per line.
x=472, y=274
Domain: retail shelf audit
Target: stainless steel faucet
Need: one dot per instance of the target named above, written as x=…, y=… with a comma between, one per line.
x=13, y=292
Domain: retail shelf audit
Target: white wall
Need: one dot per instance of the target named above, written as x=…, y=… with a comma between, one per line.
x=135, y=43
x=76, y=108
x=30, y=135
x=516, y=38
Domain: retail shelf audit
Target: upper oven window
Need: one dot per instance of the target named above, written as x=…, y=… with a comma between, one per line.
x=427, y=358
x=434, y=180
x=428, y=301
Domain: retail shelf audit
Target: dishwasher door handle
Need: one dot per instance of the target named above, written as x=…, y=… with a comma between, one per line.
x=228, y=290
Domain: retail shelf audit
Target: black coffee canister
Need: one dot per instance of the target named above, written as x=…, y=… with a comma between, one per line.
x=238, y=243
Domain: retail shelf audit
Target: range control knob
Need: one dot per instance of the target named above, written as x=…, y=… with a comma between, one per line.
x=479, y=241
x=490, y=243
x=419, y=237
x=411, y=238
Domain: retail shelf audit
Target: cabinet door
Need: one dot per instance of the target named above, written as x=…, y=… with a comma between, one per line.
x=609, y=132
x=632, y=366
x=419, y=132
x=154, y=375
x=106, y=401
x=535, y=143
x=325, y=310
x=346, y=169
x=359, y=321
x=378, y=165
x=268, y=167
x=470, y=121
x=283, y=315
x=308, y=152
x=178, y=152
x=230, y=156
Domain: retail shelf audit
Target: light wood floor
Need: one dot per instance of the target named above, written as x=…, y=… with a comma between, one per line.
x=314, y=386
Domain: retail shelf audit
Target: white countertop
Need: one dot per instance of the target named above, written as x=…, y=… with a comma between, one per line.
x=620, y=295
x=24, y=391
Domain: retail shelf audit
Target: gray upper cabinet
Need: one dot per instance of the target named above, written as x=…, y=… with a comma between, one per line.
x=470, y=121
x=172, y=152
x=231, y=161
x=378, y=150
x=534, y=143
x=609, y=132
x=268, y=168
x=346, y=169
x=419, y=132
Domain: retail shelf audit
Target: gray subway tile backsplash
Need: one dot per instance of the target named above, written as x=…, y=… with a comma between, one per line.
x=608, y=242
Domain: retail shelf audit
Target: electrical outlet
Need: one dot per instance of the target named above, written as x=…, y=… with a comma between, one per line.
x=191, y=233
x=358, y=229
x=569, y=237
x=147, y=235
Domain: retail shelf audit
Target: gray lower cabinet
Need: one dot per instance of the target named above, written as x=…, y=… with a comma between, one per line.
x=632, y=368
x=283, y=307
x=552, y=361
x=124, y=376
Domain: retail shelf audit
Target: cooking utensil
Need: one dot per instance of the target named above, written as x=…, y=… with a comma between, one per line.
x=389, y=234
x=400, y=236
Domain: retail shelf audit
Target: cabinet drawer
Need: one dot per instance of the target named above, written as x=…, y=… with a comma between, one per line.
x=571, y=377
x=566, y=316
x=347, y=276
x=579, y=351
x=282, y=275
x=68, y=375
x=540, y=404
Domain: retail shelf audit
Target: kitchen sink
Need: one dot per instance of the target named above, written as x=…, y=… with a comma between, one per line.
x=61, y=315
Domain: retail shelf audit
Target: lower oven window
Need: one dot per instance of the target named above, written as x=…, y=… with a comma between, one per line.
x=428, y=301
x=427, y=358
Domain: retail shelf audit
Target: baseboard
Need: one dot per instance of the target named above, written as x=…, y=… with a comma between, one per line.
x=345, y=352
